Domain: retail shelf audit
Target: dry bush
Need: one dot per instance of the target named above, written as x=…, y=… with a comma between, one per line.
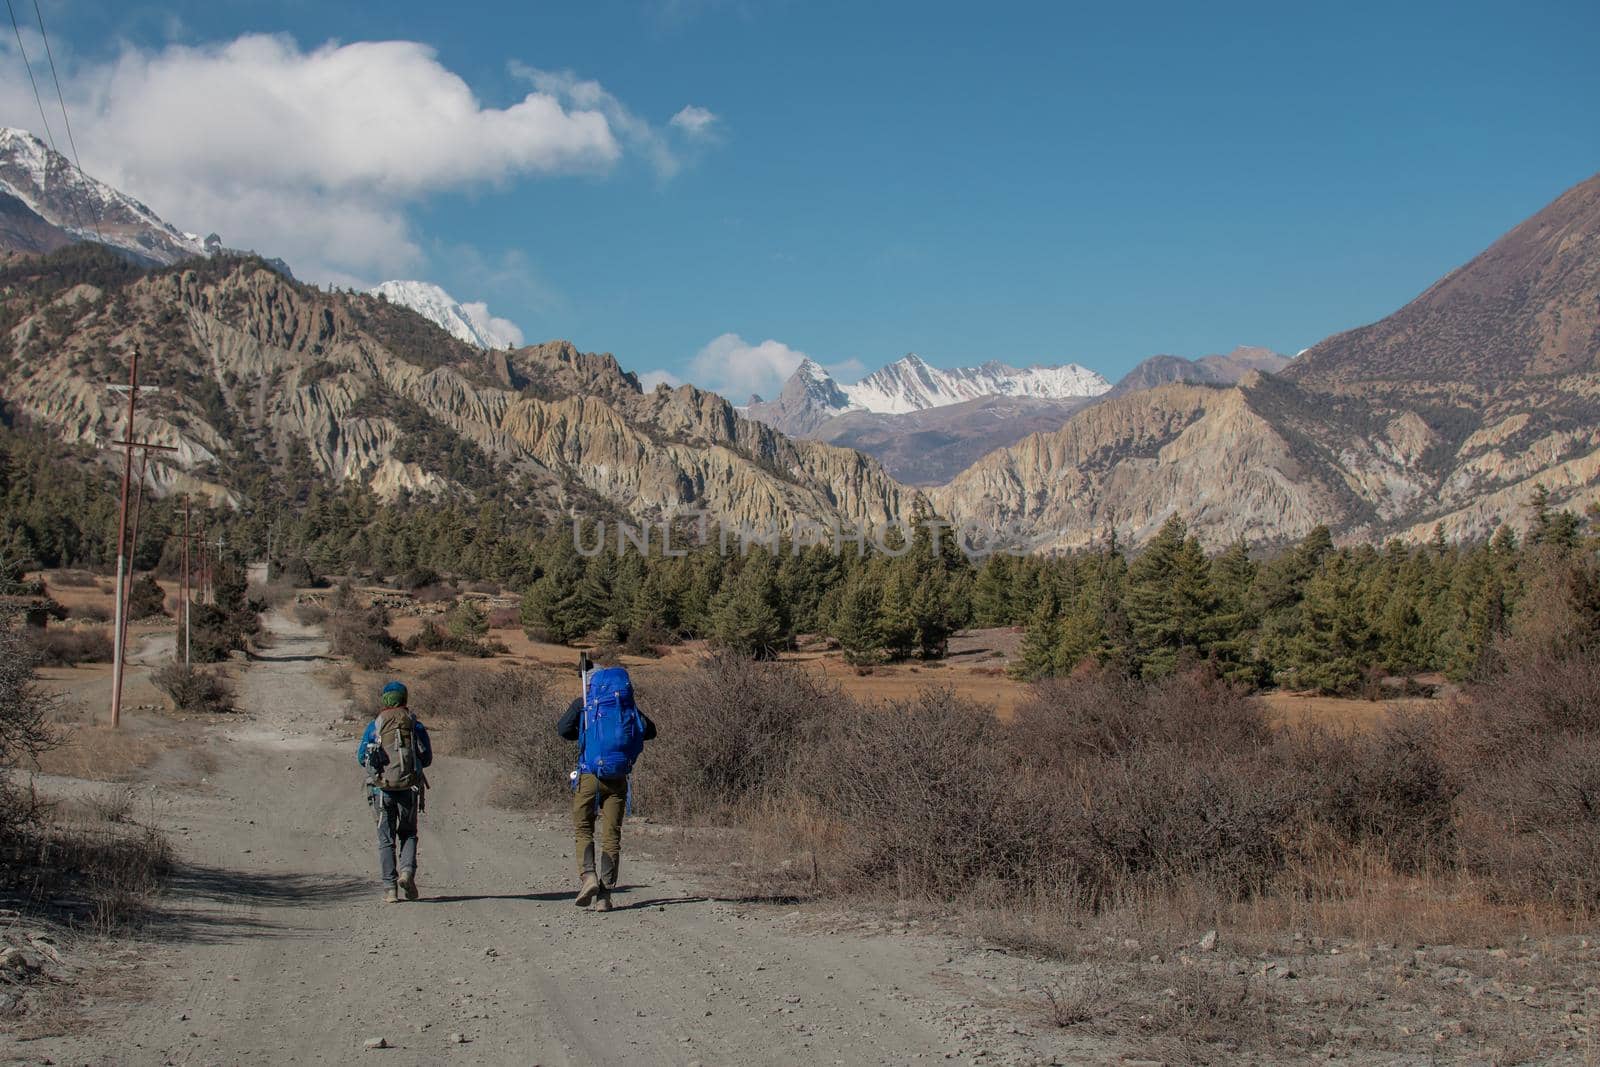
x=360, y=632
x=509, y=716
x=442, y=593
x=1387, y=793
x=728, y=732
x=1103, y=713
x=194, y=690
x=89, y=612
x=115, y=869
x=274, y=594
x=931, y=803
x=1204, y=1014
x=487, y=588
x=146, y=598
x=24, y=729
x=505, y=619
x=75, y=579
x=433, y=638
x=1523, y=746
x=310, y=614
x=56, y=647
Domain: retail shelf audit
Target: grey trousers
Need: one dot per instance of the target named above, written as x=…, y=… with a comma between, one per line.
x=397, y=833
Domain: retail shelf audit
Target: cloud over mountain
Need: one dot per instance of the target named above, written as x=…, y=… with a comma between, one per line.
x=314, y=154
x=734, y=367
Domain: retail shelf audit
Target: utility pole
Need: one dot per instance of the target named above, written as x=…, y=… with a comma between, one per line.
x=185, y=582
x=123, y=615
x=122, y=541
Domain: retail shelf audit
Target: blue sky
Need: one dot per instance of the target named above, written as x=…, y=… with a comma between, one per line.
x=1027, y=182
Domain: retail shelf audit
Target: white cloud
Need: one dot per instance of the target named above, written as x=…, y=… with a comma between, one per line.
x=697, y=123
x=652, y=378
x=735, y=368
x=501, y=333
x=590, y=96
x=314, y=154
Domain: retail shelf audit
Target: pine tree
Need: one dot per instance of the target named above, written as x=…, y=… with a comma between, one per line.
x=466, y=621
x=1334, y=644
x=1170, y=602
x=1037, y=658
x=745, y=616
x=991, y=592
x=856, y=624
x=896, y=619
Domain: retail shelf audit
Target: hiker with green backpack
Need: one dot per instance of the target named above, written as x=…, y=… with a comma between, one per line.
x=395, y=749
x=611, y=732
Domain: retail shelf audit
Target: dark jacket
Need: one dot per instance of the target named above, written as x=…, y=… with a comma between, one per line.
x=568, y=726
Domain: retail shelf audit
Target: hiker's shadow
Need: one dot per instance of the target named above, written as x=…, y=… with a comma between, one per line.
x=464, y=898
x=660, y=902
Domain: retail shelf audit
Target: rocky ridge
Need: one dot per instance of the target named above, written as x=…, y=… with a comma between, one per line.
x=256, y=367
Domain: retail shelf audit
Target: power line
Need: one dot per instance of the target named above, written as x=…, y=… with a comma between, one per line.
x=71, y=142
x=37, y=99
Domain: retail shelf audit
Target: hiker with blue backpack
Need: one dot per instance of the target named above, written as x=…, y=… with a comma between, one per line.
x=394, y=749
x=611, y=732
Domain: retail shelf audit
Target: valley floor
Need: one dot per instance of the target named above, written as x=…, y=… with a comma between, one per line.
x=273, y=947
x=271, y=944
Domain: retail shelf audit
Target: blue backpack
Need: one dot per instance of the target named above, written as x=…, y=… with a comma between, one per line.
x=612, y=731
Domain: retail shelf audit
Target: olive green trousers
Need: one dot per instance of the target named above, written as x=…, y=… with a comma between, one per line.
x=606, y=798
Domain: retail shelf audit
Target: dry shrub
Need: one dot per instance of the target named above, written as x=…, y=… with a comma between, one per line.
x=360, y=631
x=56, y=647
x=146, y=598
x=89, y=612
x=1203, y=1010
x=1387, y=792
x=1103, y=713
x=273, y=594
x=24, y=730
x=1154, y=820
x=505, y=619
x=310, y=614
x=74, y=579
x=728, y=732
x=1524, y=747
x=433, y=638
x=194, y=690
x=437, y=594
x=509, y=716
x=115, y=869
x=932, y=802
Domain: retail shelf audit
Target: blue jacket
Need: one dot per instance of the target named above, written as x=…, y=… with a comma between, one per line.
x=420, y=732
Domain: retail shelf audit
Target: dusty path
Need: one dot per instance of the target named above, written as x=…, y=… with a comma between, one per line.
x=277, y=950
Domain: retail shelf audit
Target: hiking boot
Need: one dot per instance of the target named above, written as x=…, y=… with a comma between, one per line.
x=587, y=891
x=602, y=902
x=408, y=885
x=390, y=896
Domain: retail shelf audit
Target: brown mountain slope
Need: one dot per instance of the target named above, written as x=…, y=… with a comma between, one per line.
x=1529, y=305
x=1449, y=412
x=255, y=368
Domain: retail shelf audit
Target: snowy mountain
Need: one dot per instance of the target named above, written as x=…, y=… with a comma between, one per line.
x=908, y=384
x=811, y=396
x=49, y=204
x=471, y=323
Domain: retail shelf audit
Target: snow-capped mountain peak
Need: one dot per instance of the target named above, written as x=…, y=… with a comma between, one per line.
x=471, y=323
x=911, y=384
x=85, y=208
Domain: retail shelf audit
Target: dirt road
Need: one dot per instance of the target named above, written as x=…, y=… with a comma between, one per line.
x=276, y=949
